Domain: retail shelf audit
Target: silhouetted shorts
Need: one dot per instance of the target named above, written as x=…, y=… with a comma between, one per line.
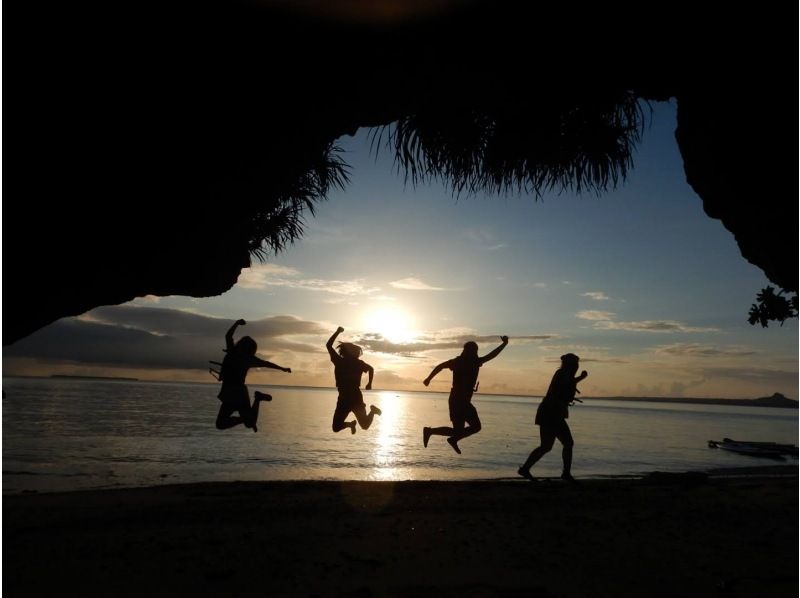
x=549, y=430
x=551, y=414
x=236, y=398
x=349, y=400
x=462, y=410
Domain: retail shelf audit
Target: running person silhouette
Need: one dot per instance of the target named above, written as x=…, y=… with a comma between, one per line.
x=465, y=374
x=347, y=370
x=552, y=414
x=240, y=357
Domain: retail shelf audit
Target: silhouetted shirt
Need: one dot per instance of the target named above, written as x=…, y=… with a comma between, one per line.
x=348, y=371
x=560, y=394
x=465, y=373
x=234, y=368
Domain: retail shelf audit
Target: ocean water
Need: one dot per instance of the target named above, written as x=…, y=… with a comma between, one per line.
x=63, y=434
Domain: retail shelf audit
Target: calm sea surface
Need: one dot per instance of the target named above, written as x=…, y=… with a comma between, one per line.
x=73, y=434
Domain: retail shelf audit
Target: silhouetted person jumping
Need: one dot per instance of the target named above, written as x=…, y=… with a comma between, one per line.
x=552, y=414
x=465, y=375
x=347, y=370
x=240, y=357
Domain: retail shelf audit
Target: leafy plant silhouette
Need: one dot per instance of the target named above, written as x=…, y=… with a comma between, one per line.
x=772, y=307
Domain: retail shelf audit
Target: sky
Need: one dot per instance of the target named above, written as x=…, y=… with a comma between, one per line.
x=651, y=293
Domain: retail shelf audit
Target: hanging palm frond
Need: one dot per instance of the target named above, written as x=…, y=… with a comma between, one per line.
x=564, y=142
x=273, y=228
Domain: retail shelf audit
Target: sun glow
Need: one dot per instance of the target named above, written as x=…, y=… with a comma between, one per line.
x=395, y=325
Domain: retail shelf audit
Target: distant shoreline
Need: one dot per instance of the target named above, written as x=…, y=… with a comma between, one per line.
x=764, y=402
x=69, y=376
x=781, y=403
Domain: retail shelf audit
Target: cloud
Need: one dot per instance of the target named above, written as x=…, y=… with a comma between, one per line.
x=587, y=353
x=317, y=233
x=484, y=238
x=155, y=320
x=603, y=320
x=337, y=287
x=271, y=275
x=597, y=295
x=660, y=326
x=678, y=388
x=675, y=388
x=385, y=379
x=697, y=350
x=415, y=284
x=767, y=377
x=377, y=343
x=738, y=380
x=258, y=277
x=175, y=322
x=590, y=360
x=590, y=314
x=149, y=337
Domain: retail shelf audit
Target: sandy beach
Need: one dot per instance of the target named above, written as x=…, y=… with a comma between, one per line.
x=664, y=535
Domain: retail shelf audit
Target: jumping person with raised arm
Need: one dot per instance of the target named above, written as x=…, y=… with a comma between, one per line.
x=465, y=369
x=239, y=358
x=347, y=370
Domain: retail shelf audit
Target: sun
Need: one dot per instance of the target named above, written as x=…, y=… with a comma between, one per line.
x=393, y=324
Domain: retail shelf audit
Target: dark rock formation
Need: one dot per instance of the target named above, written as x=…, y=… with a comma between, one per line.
x=151, y=148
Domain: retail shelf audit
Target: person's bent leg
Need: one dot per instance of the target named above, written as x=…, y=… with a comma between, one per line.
x=223, y=423
x=565, y=437
x=249, y=415
x=253, y=411
x=440, y=431
x=474, y=426
x=364, y=418
x=547, y=437
x=224, y=419
x=261, y=396
x=339, y=423
x=458, y=431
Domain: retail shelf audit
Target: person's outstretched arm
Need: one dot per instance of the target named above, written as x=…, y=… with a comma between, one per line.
x=256, y=362
x=435, y=371
x=370, y=373
x=496, y=351
x=329, y=344
x=229, y=334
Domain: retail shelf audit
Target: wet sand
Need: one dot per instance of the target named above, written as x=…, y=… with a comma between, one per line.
x=665, y=535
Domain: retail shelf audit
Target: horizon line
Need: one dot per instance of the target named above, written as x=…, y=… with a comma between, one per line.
x=742, y=401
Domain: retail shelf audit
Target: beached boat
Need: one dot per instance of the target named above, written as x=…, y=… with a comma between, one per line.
x=771, y=450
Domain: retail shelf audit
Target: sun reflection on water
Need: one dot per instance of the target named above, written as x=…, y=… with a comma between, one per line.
x=388, y=450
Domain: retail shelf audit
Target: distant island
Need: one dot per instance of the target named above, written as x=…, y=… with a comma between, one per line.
x=94, y=377
x=776, y=400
